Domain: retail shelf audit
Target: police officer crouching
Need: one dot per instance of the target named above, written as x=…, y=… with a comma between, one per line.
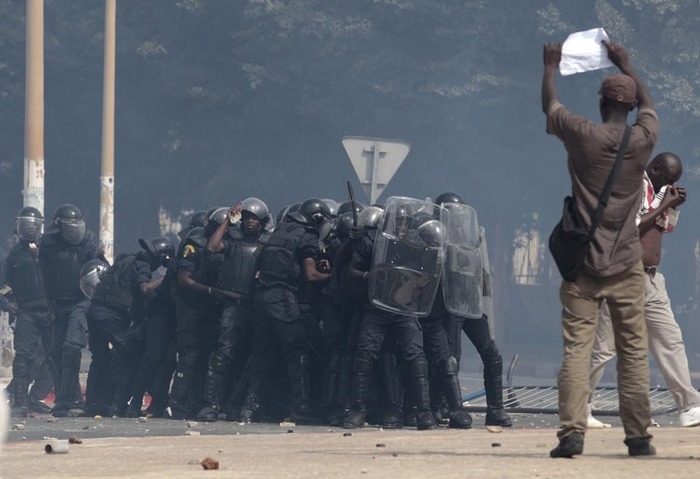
x=235, y=288
x=110, y=318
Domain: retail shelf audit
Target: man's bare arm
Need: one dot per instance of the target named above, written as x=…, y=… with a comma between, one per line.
x=552, y=57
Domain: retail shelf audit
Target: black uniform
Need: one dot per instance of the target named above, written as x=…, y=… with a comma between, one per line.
x=32, y=336
x=61, y=262
x=158, y=364
x=281, y=326
x=197, y=326
x=237, y=284
x=406, y=331
x=111, y=321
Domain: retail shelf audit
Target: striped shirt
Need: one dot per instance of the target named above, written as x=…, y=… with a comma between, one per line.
x=651, y=201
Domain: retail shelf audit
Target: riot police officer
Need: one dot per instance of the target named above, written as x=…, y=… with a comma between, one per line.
x=198, y=311
x=400, y=302
x=478, y=331
x=112, y=320
x=28, y=302
x=235, y=287
x=63, y=251
x=286, y=262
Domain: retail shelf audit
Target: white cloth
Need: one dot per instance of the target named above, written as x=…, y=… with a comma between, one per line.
x=584, y=51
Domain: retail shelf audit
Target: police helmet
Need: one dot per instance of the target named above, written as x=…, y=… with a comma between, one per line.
x=281, y=214
x=346, y=207
x=333, y=206
x=449, y=197
x=159, y=249
x=90, y=276
x=315, y=211
x=420, y=219
x=293, y=208
x=69, y=219
x=369, y=220
x=198, y=219
x=215, y=218
x=257, y=208
x=343, y=226
x=432, y=232
x=29, y=222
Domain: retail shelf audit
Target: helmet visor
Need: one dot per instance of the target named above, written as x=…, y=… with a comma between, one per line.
x=29, y=228
x=89, y=282
x=73, y=231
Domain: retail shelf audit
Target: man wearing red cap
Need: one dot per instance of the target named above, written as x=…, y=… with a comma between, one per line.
x=613, y=268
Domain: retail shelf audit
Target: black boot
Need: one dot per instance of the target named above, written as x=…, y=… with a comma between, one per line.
x=391, y=391
x=418, y=377
x=212, y=388
x=300, y=390
x=496, y=415
x=20, y=388
x=134, y=409
x=68, y=402
x=362, y=368
x=182, y=383
x=459, y=418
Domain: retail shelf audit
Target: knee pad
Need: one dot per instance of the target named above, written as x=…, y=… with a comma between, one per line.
x=449, y=366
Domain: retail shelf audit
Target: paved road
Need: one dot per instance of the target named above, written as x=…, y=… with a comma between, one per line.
x=369, y=453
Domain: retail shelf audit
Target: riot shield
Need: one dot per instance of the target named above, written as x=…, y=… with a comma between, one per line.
x=407, y=257
x=487, y=287
x=462, y=276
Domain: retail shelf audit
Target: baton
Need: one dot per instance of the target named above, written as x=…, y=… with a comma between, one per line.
x=352, y=202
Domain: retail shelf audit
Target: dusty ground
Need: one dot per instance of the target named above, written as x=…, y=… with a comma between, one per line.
x=518, y=453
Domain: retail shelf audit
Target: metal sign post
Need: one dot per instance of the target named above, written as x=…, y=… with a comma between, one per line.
x=375, y=160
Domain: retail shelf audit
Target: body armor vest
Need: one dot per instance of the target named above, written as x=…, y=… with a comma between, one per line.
x=25, y=275
x=62, y=267
x=114, y=289
x=278, y=262
x=209, y=267
x=240, y=263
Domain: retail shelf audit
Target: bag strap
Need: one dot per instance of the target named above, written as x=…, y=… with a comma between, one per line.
x=605, y=195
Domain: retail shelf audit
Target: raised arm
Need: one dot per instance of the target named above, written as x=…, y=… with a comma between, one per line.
x=618, y=55
x=552, y=57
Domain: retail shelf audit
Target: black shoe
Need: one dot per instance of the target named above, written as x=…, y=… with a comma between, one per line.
x=498, y=417
x=460, y=419
x=425, y=421
x=207, y=414
x=337, y=418
x=134, y=411
x=355, y=420
x=640, y=447
x=304, y=415
x=569, y=446
x=391, y=421
x=18, y=412
x=38, y=406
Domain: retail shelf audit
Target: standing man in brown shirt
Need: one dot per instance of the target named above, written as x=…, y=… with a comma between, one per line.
x=613, y=268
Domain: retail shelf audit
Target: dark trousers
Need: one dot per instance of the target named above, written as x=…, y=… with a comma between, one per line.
x=156, y=369
x=70, y=337
x=280, y=332
x=111, y=326
x=197, y=335
x=32, y=338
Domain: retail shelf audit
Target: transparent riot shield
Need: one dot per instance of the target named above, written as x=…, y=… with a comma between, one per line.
x=462, y=276
x=488, y=287
x=407, y=257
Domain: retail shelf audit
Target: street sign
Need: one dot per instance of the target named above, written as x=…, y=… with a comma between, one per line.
x=375, y=161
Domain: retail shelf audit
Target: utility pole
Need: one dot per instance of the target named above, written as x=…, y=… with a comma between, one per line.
x=33, y=187
x=107, y=174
